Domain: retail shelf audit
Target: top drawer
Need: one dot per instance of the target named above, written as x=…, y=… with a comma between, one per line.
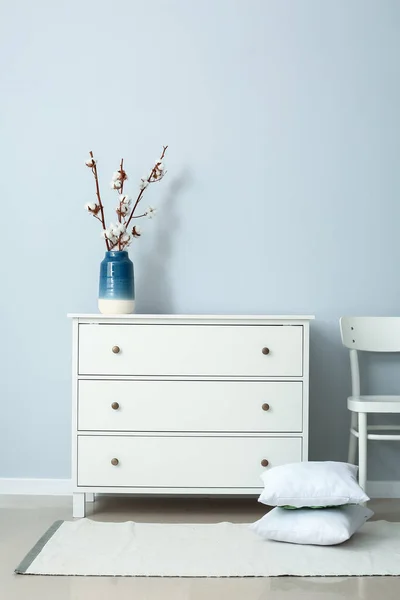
x=185, y=350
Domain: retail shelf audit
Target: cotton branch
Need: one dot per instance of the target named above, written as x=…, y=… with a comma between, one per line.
x=155, y=175
x=96, y=179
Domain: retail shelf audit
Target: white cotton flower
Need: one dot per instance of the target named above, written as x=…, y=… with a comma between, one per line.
x=90, y=206
x=112, y=228
x=90, y=162
x=160, y=166
x=116, y=185
x=126, y=238
x=136, y=231
x=117, y=229
x=150, y=212
x=123, y=209
x=143, y=184
x=124, y=199
x=106, y=234
x=116, y=176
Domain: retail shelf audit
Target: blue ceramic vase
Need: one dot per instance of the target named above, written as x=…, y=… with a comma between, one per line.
x=116, y=286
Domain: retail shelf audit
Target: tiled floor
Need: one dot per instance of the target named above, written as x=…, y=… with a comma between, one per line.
x=24, y=519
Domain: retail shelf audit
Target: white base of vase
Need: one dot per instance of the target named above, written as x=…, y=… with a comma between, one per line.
x=116, y=307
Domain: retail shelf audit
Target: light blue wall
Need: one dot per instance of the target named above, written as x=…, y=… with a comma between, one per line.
x=283, y=191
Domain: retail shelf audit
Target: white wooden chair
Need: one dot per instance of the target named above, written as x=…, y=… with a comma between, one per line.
x=370, y=334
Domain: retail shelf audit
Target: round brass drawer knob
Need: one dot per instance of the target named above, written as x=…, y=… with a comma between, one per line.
x=114, y=461
x=265, y=350
x=115, y=405
x=116, y=349
x=264, y=406
x=264, y=462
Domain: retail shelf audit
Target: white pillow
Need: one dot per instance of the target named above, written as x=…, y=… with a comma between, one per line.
x=312, y=484
x=324, y=527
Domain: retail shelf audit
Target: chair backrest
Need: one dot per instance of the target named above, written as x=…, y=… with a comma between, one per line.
x=371, y=334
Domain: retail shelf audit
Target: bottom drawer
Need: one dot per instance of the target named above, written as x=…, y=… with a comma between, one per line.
x=181, y=461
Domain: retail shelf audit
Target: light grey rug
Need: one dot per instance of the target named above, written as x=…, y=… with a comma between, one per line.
x=130, y=549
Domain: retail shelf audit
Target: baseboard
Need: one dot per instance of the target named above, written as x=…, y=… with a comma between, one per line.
x=36, y=487
x=63, y=487
x=383, y=489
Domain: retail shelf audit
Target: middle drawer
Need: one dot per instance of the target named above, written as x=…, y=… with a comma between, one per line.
x=190, y=406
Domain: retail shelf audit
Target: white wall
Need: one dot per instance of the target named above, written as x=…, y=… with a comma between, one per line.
x=282, y=119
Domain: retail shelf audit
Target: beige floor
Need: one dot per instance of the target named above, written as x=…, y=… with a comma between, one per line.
x=24, y=519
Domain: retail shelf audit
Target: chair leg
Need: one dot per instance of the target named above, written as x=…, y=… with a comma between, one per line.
x=353, y=440
x=362, y=450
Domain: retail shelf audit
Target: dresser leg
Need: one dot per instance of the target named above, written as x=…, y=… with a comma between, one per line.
x=90, y=497
x=78, y=506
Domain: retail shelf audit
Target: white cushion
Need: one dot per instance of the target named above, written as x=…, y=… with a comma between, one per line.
x=325, y=527
x=312, y=484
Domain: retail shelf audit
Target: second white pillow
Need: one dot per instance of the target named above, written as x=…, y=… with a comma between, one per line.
x=325, y=527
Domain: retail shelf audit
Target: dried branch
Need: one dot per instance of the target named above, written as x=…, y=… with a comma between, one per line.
x=149, y=180
x=96, y=179
x=121, y=169
x=121, y=193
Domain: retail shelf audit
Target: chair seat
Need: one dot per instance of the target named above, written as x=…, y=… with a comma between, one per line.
x=374, y=404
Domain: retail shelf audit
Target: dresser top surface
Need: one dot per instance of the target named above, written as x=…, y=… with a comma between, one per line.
x=170, y=317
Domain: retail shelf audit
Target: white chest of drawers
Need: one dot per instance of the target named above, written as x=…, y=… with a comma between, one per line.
x=168, y=404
